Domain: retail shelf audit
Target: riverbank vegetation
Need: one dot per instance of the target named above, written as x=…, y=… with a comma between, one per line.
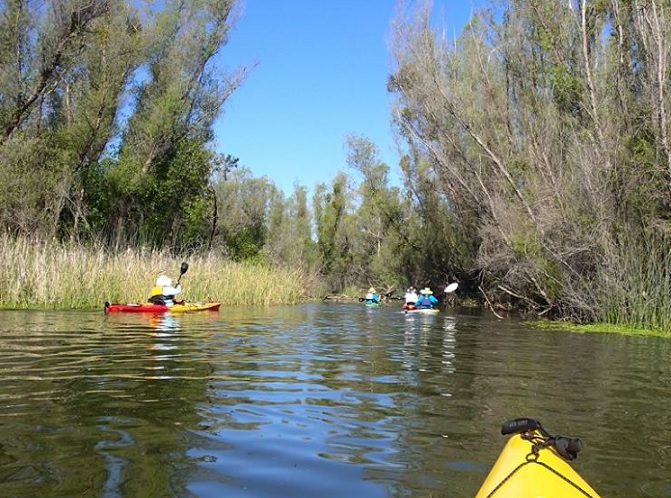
x=535, y=155
x=52, y=275
x=544, y=132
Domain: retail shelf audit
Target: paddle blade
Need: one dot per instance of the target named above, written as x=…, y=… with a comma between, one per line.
x=451, y=288
x=183, y=268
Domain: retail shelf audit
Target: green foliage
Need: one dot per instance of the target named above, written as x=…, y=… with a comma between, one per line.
x=244, y=245
x=34, y=177
x=288, y=240
x=643, y=186
x=337, y=235
x=566, y=91
x=108, y=114
x=243, y=213
x=196, y=223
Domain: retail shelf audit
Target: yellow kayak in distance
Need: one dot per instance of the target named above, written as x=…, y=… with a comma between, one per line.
x=424, y=311
x=534, y=464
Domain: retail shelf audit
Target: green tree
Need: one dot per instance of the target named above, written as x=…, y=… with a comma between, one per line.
x=106, y=115
x=177, y=99
x=496, y=178
x=382, y=240
x=243, y=202
x=289, y=241
x=336, y=234
x=57, y=102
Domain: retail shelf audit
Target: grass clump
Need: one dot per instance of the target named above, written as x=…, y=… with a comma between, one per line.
x=49, y=274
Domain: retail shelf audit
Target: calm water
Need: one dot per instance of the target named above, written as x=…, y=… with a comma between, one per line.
x=316, y=400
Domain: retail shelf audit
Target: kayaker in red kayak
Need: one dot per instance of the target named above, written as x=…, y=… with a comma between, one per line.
x=410, y=298
x=163, y=299
x=164, y=293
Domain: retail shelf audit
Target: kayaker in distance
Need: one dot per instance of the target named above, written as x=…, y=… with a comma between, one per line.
x=410, y=297
x=372, y=296
x=426, y=299
x=164, y=293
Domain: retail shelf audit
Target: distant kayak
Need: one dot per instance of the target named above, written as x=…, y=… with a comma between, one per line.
x=372, y=304
x=160, y=308
x=534, y=464
x=426, y=311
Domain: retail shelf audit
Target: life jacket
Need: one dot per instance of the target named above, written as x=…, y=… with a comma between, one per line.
x=424, y=301
x=157, y=296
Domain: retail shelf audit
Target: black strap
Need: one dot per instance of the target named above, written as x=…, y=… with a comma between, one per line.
x=520, y=425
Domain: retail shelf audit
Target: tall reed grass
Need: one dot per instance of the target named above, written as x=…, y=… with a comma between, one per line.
x=48, y=274
x=637, y=291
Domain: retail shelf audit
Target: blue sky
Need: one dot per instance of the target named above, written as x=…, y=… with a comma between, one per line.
x=321, y=76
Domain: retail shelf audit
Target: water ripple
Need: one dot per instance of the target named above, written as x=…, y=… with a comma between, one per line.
x=333, y=400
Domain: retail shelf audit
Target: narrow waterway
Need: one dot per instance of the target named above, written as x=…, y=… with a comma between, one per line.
x=328, y=400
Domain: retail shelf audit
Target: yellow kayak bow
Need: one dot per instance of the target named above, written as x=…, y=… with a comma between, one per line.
x=534, y=464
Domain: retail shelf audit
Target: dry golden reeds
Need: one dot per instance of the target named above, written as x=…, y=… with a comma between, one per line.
x=48, y=274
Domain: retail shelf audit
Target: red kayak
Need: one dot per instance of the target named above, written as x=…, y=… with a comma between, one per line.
x=160, y=308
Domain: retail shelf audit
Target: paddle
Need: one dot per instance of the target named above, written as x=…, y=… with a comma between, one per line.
x=451, y=288
x=182, y=271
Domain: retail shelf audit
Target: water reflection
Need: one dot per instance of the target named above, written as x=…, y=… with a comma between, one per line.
x=420, y=335
x=165, y=327
x=164, y=322
x=114, y=464
x=327, y=400
x=449, y=344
